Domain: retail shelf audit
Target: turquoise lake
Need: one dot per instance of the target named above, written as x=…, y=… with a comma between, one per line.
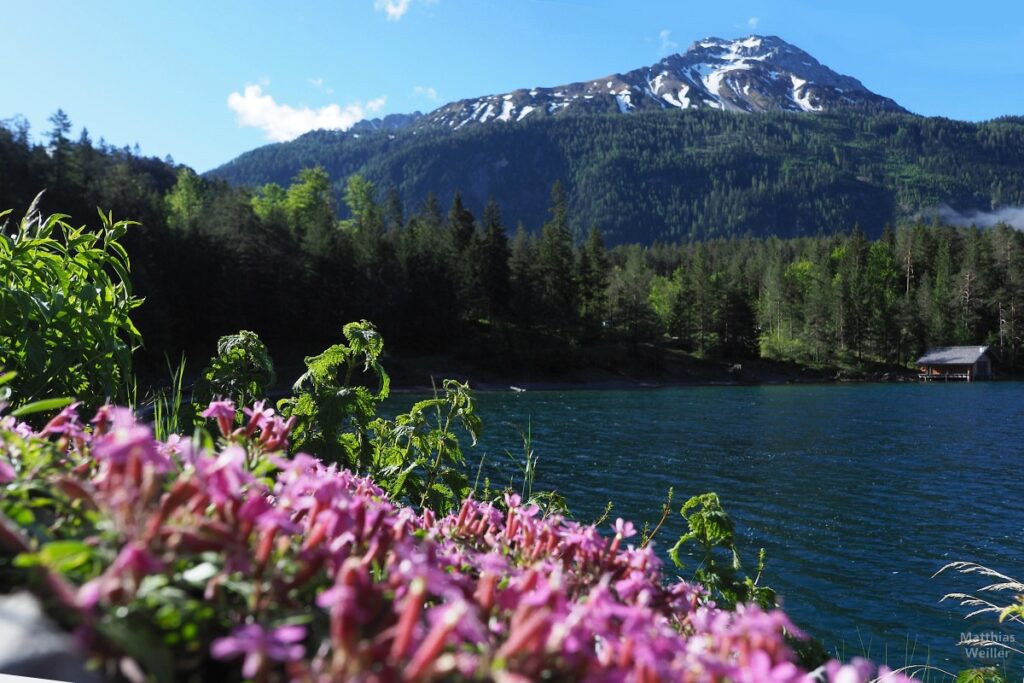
x=859, y=493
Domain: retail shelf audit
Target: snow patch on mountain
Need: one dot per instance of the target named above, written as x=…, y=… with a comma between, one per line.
x=752, y=74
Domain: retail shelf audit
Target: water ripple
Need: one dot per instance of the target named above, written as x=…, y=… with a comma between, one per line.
x=859, y=493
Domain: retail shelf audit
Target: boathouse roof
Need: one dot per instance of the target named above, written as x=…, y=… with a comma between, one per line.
x=953, y=355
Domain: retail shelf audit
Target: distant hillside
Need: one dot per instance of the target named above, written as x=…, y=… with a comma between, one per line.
x=682, y=174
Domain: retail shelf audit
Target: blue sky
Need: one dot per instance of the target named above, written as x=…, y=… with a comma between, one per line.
x=205, y=81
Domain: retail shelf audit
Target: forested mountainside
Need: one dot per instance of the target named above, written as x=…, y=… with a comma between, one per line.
x=671, y=175
x=211, y=259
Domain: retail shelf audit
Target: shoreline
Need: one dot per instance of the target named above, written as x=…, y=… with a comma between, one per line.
x=626, y=384
x=654, y=368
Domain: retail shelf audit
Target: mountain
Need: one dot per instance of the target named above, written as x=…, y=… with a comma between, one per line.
x=753, y=74
x=391, y=122
x=665, y=172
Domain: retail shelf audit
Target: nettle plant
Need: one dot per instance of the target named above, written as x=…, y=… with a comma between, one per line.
x=720, y=571
x=218, y=558
x=242, y=370
x=65, y=307
x=416, y=457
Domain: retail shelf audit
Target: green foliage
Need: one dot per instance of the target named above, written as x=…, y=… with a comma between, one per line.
x=209, y=259
x=556, y=268
x=687, y=175
x=242, y=371
x=334, y=412
x=185, y=201
x=171, y=413
x=720, y=570
x=65, y=308
x=631, y=311
x=985, y=675
x=417, y=456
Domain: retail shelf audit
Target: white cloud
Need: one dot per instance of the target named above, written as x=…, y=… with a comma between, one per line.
x=281, y=122
x=427, y=92
x=317, y=83
x=752, y=22
x=395, y=9
x=667, y=44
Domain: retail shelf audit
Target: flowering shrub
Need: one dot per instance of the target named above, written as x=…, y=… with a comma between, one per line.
x=224, y=559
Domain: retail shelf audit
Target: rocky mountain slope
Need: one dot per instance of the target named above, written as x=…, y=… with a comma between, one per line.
x=753, y=74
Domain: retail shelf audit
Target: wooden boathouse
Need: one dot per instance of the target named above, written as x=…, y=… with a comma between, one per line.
x=955, y=363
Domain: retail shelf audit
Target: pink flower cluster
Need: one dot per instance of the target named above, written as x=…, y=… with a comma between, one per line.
x=346, y=585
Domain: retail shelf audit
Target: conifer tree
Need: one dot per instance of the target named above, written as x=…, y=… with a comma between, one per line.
x=556, y=277
x=594, y=268
x=523, y=277
x=461, y=225
x=494, y=261
x=394, y=211
x=60, y=150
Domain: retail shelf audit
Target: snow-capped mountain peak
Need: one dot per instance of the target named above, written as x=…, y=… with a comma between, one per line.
x=752, y=74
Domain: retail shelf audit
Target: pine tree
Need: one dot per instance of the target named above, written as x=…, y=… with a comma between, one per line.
x=972, y=288
x=940, y=319
x=60, y=150
x=394, y=212
x=883, y=279
x=494, y=261
x=853, y=290
x=594, y=268
x=522, y=266
x=461, y=225
x=430, y=214
x=629, y=299
x=701, y=287
x=556, y=277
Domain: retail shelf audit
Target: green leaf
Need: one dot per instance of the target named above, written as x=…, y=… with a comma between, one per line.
x=200, y=574
x=64, y=556
x=42, y=406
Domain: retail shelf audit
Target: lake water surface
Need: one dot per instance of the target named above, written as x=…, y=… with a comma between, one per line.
x=859, y=493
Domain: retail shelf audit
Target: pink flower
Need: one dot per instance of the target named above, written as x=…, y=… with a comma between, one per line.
x=224, y=476
x=282, y=644
x=10, y=424
x=224, y=408
x=7, y=473
x=258, y=417
x=224, y=412
x=180, y=447
x=123, y=439
x=275, y=432
x=135, y=560
x=66, y=423
x=405, y=593
x=760, y=668
x=624, y=529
